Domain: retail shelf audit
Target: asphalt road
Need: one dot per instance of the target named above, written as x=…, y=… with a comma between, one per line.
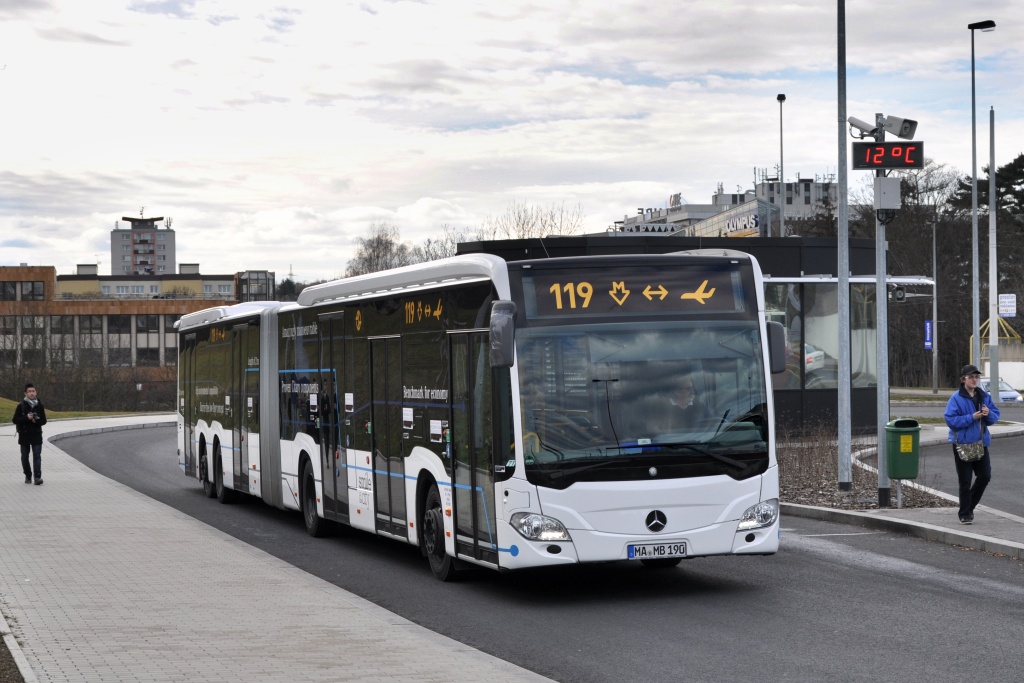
x=837, y=603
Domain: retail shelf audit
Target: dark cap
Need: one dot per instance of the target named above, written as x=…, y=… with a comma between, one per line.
x=969, y=370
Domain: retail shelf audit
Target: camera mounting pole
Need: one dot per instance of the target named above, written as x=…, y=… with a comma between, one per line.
x=881, y=339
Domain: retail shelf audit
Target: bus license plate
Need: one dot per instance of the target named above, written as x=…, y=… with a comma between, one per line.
x=654, y=551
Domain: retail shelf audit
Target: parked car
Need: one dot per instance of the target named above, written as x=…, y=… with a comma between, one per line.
x=1006, y=392
x=814, y=359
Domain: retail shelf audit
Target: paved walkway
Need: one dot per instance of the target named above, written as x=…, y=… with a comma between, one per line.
x=101, y=583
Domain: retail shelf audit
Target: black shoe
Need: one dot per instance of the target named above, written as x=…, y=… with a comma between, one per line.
x=966, y=520
x=970, y=517
x=38, y=482
x=28, y=480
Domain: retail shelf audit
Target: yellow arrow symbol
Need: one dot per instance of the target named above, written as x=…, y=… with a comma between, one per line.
x=619, y=290
x=661, y=292
x=699, y=294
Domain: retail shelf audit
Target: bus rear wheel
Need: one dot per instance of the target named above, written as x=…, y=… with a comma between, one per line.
x=441, y=564
x=315, y=526
x=224, y=494
x=204, y=475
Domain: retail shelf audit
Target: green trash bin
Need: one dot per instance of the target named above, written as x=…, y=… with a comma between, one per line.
x=902, y=440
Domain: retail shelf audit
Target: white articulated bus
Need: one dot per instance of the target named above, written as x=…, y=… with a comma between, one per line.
x=501, y=414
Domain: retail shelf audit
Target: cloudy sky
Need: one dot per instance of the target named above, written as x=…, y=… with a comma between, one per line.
x=275, y=132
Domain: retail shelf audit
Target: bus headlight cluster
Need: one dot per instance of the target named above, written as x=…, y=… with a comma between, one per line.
x=538, y=527
x=761, y=515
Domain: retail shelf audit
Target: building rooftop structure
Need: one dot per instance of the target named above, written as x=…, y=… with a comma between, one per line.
x=752, y=213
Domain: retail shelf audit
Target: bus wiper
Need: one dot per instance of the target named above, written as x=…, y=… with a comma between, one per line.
x=558, y=474
x=738, y=464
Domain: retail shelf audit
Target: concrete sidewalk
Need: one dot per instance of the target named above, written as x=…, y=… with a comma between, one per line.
x=100, y=583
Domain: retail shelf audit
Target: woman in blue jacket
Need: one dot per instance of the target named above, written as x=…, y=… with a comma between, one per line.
x=969, y=411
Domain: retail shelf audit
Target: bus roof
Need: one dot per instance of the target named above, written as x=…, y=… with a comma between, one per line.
x=218, y=313
x=449, y=271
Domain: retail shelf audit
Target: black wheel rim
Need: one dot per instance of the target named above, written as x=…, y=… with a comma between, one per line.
x=433, y=525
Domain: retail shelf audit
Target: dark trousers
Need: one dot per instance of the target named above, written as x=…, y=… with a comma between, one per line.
x=37, y=460
x=981, y=470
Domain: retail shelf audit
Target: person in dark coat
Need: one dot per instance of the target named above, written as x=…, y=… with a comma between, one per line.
x=687, y=411
x=968, y=414
x=29, y=418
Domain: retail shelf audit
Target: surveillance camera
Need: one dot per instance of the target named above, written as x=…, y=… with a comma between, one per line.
x=863, y=126
x=901, y=128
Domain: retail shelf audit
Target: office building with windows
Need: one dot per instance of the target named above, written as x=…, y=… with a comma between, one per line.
x=88, y=320
x=754, y=213
x=144, y=248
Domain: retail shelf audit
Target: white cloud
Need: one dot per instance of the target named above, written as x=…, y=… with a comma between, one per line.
x=275, y=134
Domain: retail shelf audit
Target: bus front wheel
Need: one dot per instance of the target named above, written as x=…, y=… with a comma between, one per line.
x=441, y=564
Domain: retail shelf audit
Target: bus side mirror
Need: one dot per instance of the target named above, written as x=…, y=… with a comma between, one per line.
x=776, y=347
x=503, y=334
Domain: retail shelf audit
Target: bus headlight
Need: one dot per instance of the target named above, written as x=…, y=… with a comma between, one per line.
x=538, y=527
x=761, y=515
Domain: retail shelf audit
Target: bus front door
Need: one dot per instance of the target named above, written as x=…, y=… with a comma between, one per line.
x=473, y=447
x=332, y=358
x=386, y=411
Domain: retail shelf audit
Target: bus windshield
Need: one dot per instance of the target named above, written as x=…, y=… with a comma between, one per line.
x=657, y=398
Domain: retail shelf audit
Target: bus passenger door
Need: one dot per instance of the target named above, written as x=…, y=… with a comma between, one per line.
x=234, y=414
x=473, y=447
x=332, y=355
x=187, y=402
x=386, y=420
x=249, y=412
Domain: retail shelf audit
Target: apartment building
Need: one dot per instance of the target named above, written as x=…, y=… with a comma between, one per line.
x=144, y=248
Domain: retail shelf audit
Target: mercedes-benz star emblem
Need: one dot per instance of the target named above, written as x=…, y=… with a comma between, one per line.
x=656, y=520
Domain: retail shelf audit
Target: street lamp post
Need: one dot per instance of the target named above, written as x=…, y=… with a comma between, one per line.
x=987, y=25
x=782, y=175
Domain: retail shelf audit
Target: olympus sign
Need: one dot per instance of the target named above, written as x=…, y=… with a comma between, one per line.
x=742, y=223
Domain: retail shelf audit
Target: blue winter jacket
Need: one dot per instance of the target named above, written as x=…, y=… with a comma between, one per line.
x=959, y=417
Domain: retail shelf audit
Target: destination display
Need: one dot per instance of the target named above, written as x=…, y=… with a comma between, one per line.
x=597, y=292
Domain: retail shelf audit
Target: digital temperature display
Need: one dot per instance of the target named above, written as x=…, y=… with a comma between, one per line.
x=883, y=155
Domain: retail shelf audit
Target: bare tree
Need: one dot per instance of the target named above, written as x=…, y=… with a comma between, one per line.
x=522, y=220
x=447, y=243
x=381, y=250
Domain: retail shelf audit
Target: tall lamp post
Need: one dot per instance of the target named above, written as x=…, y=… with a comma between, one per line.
x=782, y=176
x=987, y=25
